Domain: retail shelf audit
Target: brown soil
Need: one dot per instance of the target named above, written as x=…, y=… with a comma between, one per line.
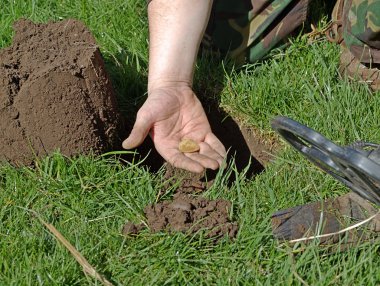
x=54, y=93
x=188, y=215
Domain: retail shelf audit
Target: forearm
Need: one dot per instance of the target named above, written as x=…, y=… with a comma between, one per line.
x=176, y=29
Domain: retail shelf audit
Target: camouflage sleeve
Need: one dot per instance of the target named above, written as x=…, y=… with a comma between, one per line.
x=246, y=30
x=361, y=32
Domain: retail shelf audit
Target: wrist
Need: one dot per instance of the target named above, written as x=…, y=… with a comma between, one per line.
x=174, y=82
x=178, y=92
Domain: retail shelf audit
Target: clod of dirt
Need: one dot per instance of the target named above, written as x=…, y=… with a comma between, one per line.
x=188, y=146
x=130, y=229
x=189, y=183
x=54, y=93
x=189, y=215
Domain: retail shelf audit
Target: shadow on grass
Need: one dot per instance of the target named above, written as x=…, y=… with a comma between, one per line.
x=318, y=10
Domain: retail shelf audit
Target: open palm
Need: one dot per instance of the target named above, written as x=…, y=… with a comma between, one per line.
x=170, y=115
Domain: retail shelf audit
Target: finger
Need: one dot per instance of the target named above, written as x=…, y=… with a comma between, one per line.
x=183, y=162
x=204, y=160
x=139, y=132
x=215, y=144
x=207, y=150
x=179, y=160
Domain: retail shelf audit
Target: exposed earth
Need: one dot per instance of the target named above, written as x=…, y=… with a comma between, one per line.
x=188, y=214
x=55, y=94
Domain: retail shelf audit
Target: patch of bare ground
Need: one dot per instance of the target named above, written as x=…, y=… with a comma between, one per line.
x=55, y=94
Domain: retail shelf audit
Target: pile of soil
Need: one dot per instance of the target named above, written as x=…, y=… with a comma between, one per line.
x=188, y=214
x=54, y=94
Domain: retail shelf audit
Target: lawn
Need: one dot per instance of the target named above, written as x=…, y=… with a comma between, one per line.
x=89, y=198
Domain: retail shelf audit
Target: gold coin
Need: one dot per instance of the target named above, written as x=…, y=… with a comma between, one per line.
x=188, y=146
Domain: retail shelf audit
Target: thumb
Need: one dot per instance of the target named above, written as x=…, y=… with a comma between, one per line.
x=139, y=132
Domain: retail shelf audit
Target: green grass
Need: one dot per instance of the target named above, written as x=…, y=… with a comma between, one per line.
x=89, y=198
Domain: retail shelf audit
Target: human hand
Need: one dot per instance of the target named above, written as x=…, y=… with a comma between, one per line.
x=170, y=114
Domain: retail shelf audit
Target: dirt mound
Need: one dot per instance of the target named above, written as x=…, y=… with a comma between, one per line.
x=186, y=213
x=189, y=215
x=54, y=93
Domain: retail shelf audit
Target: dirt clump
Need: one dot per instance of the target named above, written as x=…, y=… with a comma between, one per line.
x=130, y=228
x=54, y=93
x=191, y=214
x=188, y=214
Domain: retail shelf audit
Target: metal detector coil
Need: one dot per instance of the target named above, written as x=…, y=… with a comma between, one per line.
x=357, y=166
